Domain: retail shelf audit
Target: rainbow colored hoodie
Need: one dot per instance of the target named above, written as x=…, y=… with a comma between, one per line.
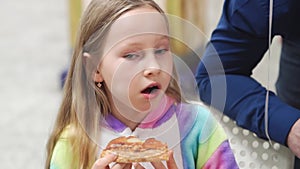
x=190, y=130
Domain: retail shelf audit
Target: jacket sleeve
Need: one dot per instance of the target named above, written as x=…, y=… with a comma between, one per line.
x=62, y=155
x=216, y=152
x=224, y=73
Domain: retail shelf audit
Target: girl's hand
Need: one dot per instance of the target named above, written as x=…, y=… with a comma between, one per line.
x=103, y=163
x=171, y=164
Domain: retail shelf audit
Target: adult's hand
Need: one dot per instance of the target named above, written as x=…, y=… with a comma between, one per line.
x=103, y=163
x=293, y=140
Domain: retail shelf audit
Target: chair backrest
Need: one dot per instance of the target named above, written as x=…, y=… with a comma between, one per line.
x=252, y=152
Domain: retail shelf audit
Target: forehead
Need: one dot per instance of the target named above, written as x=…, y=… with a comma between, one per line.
x=140, y=21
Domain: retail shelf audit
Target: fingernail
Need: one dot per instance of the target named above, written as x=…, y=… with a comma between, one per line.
x=113, y=153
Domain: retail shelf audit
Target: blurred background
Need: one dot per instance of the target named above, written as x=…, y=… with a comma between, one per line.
x=36, y=40
x=34, y=47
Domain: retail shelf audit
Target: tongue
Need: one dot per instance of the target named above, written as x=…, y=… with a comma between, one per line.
x=149, y=90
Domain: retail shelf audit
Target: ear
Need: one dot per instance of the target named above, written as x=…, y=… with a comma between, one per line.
x=97, y=76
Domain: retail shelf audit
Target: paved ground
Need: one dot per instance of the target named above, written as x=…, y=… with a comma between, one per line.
x=34, y=50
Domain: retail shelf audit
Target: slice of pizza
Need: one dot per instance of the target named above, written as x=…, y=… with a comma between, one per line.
x=132, y=149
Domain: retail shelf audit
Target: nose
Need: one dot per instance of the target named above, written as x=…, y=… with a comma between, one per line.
x=152, y=66
x=151, y=71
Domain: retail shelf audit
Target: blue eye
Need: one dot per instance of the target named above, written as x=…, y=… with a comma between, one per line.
x=131, y=56
x=160, y=51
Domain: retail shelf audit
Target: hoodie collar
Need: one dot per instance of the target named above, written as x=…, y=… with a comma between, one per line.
x=153, y=119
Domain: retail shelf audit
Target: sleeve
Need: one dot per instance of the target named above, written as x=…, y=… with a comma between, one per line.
x=214, y=150
x=206, y=145
x=63, y=155
x=218, y=153
x=236, y=46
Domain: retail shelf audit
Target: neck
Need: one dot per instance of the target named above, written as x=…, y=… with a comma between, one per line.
x=131, y=124
x=133, y=118
x=128, y=115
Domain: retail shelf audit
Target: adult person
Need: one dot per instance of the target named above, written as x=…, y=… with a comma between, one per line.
x=239, y=42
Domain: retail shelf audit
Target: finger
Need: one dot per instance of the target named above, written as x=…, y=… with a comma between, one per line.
x=102, y=163
x=293, y=139
x=138, y=166
x=171, y=162
x=122, y=166
x=128, y=166
x=158, y=165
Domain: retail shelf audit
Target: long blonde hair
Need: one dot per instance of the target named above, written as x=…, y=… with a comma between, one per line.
x=77, y=110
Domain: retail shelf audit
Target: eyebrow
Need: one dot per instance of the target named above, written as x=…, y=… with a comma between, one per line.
x=164, y=37
x=139, y=44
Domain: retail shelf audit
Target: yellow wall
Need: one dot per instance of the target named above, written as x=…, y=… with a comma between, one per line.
x=75, y=8
x=202, y=13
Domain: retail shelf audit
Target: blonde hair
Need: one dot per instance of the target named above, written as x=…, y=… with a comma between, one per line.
x=77, y=110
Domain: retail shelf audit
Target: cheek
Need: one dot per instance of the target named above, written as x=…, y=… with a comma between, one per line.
x=134, y=84
x=118, y=81
x=166, y=79
x=167, y=71
x=166, y=64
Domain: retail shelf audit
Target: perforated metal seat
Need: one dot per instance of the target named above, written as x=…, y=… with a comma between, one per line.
x=252, y=152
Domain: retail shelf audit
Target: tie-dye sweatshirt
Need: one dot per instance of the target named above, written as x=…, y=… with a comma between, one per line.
x=190, y=130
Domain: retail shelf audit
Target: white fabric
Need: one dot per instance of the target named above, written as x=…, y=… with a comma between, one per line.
x=168, y=132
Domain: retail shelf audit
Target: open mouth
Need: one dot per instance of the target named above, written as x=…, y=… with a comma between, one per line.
x=151, y=89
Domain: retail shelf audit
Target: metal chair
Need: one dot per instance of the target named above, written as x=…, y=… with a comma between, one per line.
x=252, y=152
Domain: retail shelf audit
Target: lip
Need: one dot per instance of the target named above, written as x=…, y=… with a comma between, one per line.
x=152, y=94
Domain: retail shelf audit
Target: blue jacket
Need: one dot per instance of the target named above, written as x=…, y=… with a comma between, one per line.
x=238, y=43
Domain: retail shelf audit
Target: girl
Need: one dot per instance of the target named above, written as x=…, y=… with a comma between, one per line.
x=122, y=81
